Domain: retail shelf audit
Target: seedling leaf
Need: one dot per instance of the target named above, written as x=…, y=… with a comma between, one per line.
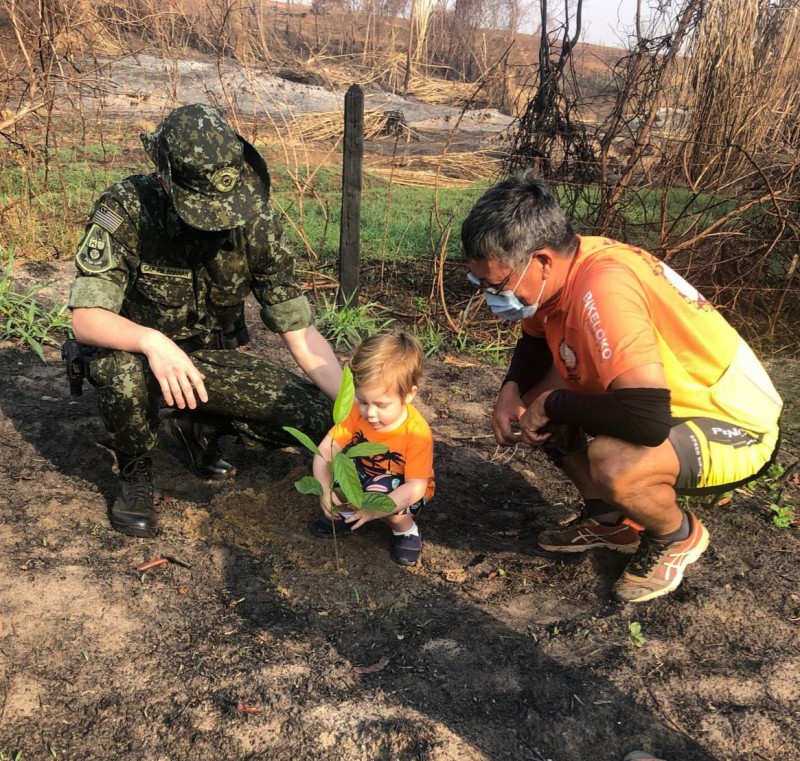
x=383, y=503
x=303, y=439
x=308, y=485
x=366, y=449
x=345, y=473
x=345, y=397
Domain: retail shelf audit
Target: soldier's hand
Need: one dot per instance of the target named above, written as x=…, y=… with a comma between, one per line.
x=179, y=379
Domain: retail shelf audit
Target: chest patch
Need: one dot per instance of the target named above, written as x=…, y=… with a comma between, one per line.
x=568, y=356
x=94, y=255
x=159, y=271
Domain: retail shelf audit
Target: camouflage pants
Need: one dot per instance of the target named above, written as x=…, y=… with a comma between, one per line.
x=247, y=396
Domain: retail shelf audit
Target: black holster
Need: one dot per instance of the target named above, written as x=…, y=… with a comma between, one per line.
x=76, y=358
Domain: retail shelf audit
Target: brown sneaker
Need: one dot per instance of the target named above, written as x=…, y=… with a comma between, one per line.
x=657, y=568
x=586, y=533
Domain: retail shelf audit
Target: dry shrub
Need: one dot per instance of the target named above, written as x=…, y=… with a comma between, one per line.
x=329, y=126
x=449, y=169
x=741, y=86
x=437, y=91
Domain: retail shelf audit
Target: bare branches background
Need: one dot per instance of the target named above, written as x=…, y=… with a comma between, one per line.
x=686, y=143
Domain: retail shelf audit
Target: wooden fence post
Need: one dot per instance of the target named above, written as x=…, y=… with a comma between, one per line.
x=349, y=236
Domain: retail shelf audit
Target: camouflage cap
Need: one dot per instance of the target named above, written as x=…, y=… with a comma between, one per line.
x=215, y=178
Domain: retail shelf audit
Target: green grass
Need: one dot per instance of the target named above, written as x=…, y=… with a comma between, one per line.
x=402, y=228
x=347, y=326
x=46, y=205
x=397, y=223
x=26, y=321
x=640, y=219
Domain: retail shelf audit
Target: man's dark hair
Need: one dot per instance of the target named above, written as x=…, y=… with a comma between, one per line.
x=514, y=218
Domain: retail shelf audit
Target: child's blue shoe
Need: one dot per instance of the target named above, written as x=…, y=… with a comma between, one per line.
x=406, y=549
x=324, y=527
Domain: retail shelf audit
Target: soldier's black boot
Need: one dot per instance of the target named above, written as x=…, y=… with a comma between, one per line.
x=132, y=513
x=201, y=441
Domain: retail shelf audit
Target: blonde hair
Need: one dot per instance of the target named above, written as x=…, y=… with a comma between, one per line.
x=391, y=360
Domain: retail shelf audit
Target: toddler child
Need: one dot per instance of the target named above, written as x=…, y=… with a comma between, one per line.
x=386, y=372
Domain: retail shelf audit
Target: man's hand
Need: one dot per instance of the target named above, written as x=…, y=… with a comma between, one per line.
x=533, y=420
x=508, y=409
x=178, y=377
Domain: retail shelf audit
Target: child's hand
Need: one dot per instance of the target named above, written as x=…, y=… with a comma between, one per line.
x=360, y=517
x=325, y=506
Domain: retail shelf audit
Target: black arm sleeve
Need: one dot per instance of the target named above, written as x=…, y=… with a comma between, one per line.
x=530, y=362
x=639, y=415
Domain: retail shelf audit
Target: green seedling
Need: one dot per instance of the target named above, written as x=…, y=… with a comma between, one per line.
x=635, y=636
x=340, y=464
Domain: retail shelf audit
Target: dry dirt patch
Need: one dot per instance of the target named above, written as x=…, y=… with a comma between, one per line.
x=250, y=653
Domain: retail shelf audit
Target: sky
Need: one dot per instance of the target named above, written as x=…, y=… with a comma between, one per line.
x=605, y=21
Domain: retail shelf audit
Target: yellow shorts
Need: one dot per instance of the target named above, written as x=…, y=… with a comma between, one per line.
x=716, y=455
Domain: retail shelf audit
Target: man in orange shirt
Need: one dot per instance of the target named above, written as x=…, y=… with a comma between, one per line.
x=650, y=392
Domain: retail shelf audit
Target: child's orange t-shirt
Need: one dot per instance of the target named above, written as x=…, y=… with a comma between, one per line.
x=410, y=452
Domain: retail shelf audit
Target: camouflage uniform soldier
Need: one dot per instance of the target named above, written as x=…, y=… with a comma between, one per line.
x=163, y=271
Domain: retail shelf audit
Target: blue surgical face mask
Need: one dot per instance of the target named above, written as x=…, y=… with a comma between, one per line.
x=505, y=304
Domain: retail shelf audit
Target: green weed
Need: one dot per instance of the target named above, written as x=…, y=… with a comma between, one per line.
x=348, y=325
x=635, y=636
x=430, y=339
x=495, y=351
x=24, y=320
x=783, y=516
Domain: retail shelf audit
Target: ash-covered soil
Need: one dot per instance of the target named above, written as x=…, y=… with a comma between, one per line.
x=489, y=651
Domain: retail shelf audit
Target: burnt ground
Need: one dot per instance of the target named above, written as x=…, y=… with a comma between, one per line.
x=251, y=653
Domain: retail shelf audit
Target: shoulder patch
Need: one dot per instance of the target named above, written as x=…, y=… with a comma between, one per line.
x=94, y=255
x=107, y=218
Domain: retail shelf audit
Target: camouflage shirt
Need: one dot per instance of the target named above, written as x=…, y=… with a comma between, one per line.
x=139, y=260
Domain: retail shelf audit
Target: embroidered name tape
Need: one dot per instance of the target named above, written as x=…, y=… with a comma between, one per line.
x=154, y=269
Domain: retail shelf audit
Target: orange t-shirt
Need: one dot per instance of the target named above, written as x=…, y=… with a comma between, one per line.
x=621, y=308
x=410, y=446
